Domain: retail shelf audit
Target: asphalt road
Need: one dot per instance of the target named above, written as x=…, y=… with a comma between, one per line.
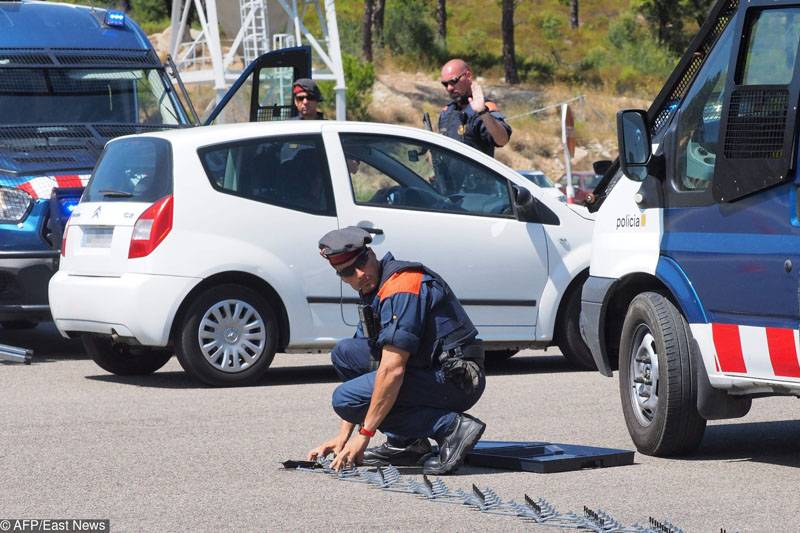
x=164, y=454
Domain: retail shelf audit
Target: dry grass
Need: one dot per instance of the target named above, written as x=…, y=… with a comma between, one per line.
x=401, y=98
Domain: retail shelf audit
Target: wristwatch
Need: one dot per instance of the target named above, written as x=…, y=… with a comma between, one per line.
x=485, y=110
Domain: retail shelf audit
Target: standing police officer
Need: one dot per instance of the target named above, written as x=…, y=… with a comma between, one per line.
x=412, y=368
x=469, y=117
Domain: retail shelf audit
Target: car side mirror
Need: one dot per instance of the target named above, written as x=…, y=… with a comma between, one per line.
x=601, y=167
x=529, y=209
x=634, y=143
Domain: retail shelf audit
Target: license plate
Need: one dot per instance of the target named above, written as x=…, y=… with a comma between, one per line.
x=98, y=237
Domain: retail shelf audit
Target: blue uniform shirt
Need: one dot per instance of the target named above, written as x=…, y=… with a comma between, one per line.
x=417, y=312
x=466, y=126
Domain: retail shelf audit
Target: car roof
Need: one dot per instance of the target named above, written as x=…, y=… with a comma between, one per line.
x=221, y=133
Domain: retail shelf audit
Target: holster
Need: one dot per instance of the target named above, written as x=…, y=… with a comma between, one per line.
x=463, y=366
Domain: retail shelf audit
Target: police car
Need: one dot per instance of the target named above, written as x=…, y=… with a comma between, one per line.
x=694, y=281
x=203, y=243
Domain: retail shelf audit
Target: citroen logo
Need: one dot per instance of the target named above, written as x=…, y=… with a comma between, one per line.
x=96, y=213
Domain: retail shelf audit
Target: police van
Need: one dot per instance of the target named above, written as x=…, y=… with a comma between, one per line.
x=71, y=78
x=694, y=292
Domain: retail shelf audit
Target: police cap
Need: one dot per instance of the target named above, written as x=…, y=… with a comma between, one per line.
x=308, y=86
x=341, y=245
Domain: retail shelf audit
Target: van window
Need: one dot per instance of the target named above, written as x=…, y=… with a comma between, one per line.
x=132, y=170
x=772, y=43
x=699, y=120
x=290, y=172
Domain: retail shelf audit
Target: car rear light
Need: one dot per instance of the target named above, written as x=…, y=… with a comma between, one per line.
x=64, y=241
x=151, y=228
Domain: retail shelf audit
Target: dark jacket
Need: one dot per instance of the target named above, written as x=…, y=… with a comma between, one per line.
x=466, y=126
x=417, y=312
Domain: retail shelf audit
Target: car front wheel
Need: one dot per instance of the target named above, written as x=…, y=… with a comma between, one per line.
x=657, y=386
x=570, y=341
x=123, y=359
x=228, y=336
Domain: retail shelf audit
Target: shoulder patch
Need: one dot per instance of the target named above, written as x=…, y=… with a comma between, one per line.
x=408, y=281
x=492, y=106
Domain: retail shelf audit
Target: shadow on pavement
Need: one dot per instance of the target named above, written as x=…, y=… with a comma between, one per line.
x=181, y=380
x=45, y=341
x=531, y=364
x=776, y=442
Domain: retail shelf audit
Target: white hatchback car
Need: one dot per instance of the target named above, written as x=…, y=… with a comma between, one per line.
x=203, y=243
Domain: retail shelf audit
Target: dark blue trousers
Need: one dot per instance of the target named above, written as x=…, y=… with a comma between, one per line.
x=426, y=406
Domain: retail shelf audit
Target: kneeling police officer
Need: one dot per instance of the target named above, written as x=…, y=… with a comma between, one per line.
x=411, y=370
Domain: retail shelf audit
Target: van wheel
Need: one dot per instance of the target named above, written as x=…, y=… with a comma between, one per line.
x=228, y=336
x=123, y=359
x=656, y=383
x=570, y=341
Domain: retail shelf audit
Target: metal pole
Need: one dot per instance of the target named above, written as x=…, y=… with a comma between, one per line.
x=335, y=53
x=12, y=353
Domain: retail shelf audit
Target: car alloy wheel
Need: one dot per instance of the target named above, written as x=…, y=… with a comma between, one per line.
x=232, y=335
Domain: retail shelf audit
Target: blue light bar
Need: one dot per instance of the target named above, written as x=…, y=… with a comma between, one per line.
x=115, y=18
x=67, y=205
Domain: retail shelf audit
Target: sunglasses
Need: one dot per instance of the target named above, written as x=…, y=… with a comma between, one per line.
x=453, y=81
x=359, y=263
x=301, y=97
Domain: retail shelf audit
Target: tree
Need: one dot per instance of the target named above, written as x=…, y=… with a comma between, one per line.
x=573, y=14
x=509, y=57
x=366, y=46
x=667, y=17
x=377, y=21
x=441, y=19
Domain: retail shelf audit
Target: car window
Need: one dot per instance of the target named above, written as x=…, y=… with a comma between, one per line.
x=289, y=172
x=132, y=170
x=404, y=173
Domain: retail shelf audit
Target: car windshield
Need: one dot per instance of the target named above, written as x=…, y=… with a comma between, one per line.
x=69, y=96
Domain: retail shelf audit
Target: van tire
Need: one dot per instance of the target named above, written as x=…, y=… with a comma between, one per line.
x=224, y=361
x=570, y=341
x=123, y=359
x=661, y=414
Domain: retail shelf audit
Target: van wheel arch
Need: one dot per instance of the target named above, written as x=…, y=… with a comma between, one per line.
x=616, y=306
x=239, y=278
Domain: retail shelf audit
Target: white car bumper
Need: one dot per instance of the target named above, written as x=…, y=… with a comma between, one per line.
x=141, y=306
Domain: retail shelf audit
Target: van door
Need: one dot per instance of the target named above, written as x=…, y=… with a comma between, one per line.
x=731, y=217
x=263, y=92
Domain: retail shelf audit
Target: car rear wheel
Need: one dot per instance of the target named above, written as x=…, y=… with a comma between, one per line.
x=228, y=336
x=656, y=383
x=570, y=341
x=123, y=359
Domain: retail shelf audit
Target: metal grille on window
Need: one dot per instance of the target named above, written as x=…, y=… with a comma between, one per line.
x=756, y=124
x=275, y=112
x=78, y=56
x=21, y=56
x=670, y=105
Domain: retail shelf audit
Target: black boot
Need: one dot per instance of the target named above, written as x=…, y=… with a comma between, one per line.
x=454, y=447
x=386, y=454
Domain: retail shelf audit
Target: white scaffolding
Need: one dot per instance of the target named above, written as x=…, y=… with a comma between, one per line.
x=259, y=26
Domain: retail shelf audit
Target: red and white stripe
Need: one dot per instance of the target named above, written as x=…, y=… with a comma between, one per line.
x=42, y=186
x=760, y=352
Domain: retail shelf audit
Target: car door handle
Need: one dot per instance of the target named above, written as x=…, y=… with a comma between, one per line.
x=374, y=231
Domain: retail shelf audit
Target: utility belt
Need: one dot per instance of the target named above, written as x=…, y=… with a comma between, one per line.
x=463, y=365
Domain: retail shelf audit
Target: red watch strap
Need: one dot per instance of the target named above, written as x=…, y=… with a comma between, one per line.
x=366, y=432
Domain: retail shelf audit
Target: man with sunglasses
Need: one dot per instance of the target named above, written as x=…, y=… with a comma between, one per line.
x=469, y=117
x=411, y=370
x=306, y=98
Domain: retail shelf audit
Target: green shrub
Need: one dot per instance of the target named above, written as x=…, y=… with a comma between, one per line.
x=408, y=29
x=359, y=78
